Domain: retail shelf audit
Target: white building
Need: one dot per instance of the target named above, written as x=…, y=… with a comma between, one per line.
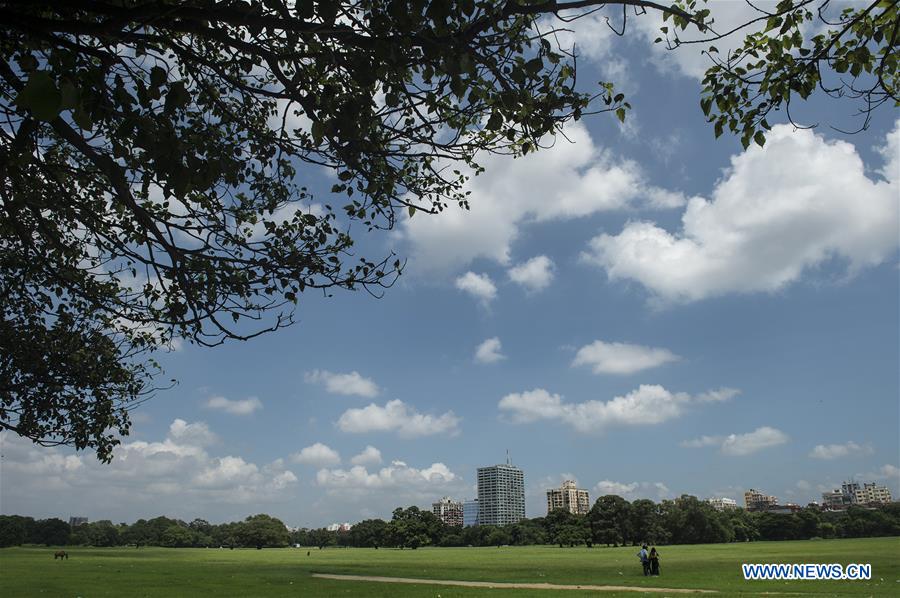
x=872, y=493
x=501, y=495
x=722, y=504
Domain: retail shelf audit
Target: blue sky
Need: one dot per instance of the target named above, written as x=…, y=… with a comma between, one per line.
x=647, y=310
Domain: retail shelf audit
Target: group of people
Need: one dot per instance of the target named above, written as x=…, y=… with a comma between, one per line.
x=649, y=560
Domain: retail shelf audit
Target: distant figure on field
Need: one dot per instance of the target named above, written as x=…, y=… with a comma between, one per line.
x=60, y=554
x=307, y=553
x=645, y=559
x=654, y=561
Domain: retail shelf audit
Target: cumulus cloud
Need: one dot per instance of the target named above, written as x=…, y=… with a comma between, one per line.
x=396, y=474
x=837, y=451
x=397, y=416
x=621, y=358
x=563, y=182
x=632, y=490
x=794, y=205
x=688, y=60
x=241, y=407
x=317, y=455
x=196, y=434
x=885, y=472
x=369, y=456
x=489, y=351
x=534, y=275
x=740, y=445
x=648, y=404
x=343, y=384
x=175, y=475
x=480, y=286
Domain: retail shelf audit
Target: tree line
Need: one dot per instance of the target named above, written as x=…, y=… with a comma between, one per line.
x=612, y=521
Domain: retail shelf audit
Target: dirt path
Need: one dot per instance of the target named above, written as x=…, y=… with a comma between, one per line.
x=508, y=585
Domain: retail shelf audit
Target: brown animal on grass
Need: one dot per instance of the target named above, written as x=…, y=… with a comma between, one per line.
x=60, y=554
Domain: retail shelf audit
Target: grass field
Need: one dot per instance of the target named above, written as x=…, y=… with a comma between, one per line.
x=161, y=572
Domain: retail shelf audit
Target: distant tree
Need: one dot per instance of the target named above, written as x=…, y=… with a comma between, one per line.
x=177, y=536
x=499, y=536
x=321, y=538
x=99, y=533
x=12, y=530
x=369, y=533
x=610, y=520
x=261, y=531
x=412, y=527
x=51, y=532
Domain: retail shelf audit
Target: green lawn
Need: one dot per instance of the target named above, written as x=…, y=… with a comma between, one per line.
x=160, y=572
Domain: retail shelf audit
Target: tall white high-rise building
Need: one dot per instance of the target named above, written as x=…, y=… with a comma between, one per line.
x=501, y=495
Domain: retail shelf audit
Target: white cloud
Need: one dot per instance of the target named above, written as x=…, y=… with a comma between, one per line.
x=717, y=395
x=837, y=451
x=369, y=456
x=197, y=433
x=343, y=384
x=885, y=472
x=702, y=441
x=317, y=455
x=397, y=416
x=740, y=445
x=563, y=182
x=688, y=60
x=480, y=286
x=621, y=358
x=175, y=475
x=794, y=205
x=534, y=275
x=632, y=490
x=397, y=474
x=241, y=407
x=489, y=351
x=648, y=404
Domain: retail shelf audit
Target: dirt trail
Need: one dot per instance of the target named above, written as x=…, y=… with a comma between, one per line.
x=509, y=585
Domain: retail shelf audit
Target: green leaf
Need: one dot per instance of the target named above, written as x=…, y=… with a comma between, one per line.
x=158, y=76
x=494, y=122
x=759, y=138
x=620, y=113
x=40, y=96
x=68, y=95
x=411, y=210
x=82, y=118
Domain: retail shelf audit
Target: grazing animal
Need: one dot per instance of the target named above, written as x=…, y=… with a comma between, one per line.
x=60, y=554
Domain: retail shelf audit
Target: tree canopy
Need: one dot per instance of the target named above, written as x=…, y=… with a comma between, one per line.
x=156, y=154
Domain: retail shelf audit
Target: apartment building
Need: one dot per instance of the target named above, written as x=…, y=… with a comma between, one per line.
x=569, y=497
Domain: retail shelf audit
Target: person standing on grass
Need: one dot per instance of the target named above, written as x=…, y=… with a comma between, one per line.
x=645, y=559
x=654, y=561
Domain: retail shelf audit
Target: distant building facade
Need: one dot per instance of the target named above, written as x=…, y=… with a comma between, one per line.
x=339, y=527
x=835, y=500
x=871, y=494
x=569, y=497
x=851, y=493
x=754, y=500
x=501, y=495
x=449, y=511
x=76, y=521
x=470, y=512
x=722, y=504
